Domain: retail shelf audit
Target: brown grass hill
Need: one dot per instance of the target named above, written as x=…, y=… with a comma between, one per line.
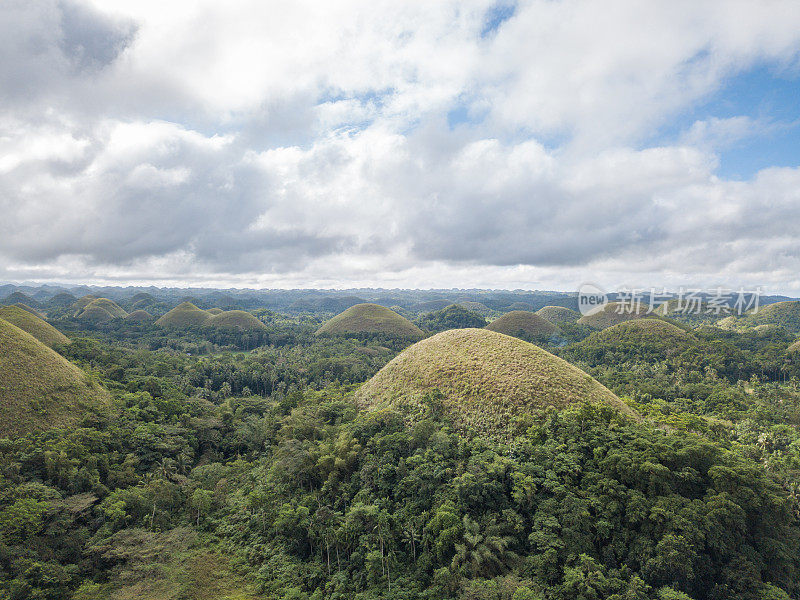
x=612, y=314
x=523, y=324
x=558, y=314
x=235, y=320
x=214, y=311
x=139, y=316
x=483, y=379
x=39, y=388
x=370, y=318
x=184, y=316
x=30, y=323
x=649, y=339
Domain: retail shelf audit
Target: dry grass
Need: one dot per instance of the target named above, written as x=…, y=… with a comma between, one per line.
x=487, y=379
x=370, y=318
x=39, y=388
x=558, y=314
x=611, y=315
x=95, y=314
x=524, y=324
x=27, y=321
x=184, y=315
x=83, y=302
x=214, y=311
x=235, y=320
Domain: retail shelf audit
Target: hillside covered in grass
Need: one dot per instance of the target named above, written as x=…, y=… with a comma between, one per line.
x=612, y=314
x=39, y=388
x=370, y=318
x=483, y=379
x=651, y=338
x=558, y=314
x=523, y=324
x=184, y=315
x=30, y=323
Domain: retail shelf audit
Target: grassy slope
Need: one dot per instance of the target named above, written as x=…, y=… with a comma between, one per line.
x=786, y=314
x=370, y=318
x=110, y=306
x=558, y=314
x=33, y=311
x=38, y=387
x=235, y=320
x=185, y=314
x=214, y=311
x=609, y=316
x=522, y=322
x=487, y=379
x=95, y=314
x=653, y=335
x=41, y=330
x=83, y=302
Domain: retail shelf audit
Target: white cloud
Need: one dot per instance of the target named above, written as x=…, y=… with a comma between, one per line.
x=302, y=143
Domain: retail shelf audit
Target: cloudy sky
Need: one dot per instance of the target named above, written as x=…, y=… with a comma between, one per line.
x=532, y=144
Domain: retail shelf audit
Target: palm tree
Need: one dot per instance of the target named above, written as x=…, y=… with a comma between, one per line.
x=482, y=553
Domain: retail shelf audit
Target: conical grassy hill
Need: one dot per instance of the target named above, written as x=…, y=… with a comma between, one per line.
x=370, y=318
x=27, y=321
x=611, y=314
x=523, y=324
x=486, y=380
x=558, y=314
x=235, y=320
x=184, y=315
x=653, y=338
x=39, y=388
x=139, y=316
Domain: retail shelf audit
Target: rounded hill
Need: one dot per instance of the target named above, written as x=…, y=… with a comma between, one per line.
x=523, y=324
x=642, y=337
x=139, y=316
x=370, y=318
x=27, y=321
x=558, y=314
x=39, y=388
x=786, y=314
x=214, y=311
x=114, y=309
x=612, y=314
x=235, y=320
x=485, y=379
x=83, y=302
x=184, y=315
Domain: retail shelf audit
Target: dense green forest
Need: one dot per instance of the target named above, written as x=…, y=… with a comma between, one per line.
x=236, y=464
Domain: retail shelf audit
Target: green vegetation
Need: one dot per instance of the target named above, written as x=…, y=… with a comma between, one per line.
x=27, y=308
x=214, y=311
x=785, y=314
x=486, y=381
x=237, y=320
x=370, y=319
x=83, y=302
x=558, y=314
x=476, y=307
x=29, y=322
x=644, y=338
x=523, y=324
x=38, y=387
x=185, y=315
x=648, y=462
x=94, y=314
x=451, y=317
x=613, y=313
